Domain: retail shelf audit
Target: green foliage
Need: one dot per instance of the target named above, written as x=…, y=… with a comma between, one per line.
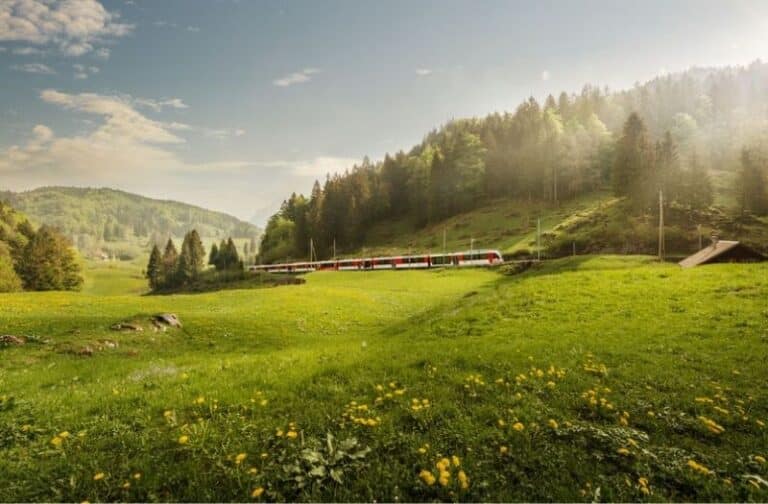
x=752, y=184
x=154, y=270
x=191, y=260
x=48, y=262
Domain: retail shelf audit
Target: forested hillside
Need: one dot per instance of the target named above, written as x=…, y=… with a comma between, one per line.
x=97, y=219
x=699, y=135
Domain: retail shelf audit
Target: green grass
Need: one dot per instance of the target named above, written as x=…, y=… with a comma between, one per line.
x=649, y=338
x=506, y=225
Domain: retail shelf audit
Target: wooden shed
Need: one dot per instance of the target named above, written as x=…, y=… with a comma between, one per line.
x=722, y=251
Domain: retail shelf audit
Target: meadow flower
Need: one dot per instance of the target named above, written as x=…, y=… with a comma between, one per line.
x=57, y=441
x=463, y=480
x=292, y=434
x=445, y=478
x=183, y=439
x=701, y=468
x=98, y=476
x=239, y=458
x=263, y=402
x=279, y=433
x=623, y=451
x=643, y=486
x=552, y=423
x=518, y=426
x=126, y=485
x=443, y=464
x=711, y=425
x=503, y=450
x=501, y=422
x=422, y=450
x=200, y=400
x=456, y=461
x=137, y=476
x=64, y=434
x=252, y=470
x=264, y=455
x=427, y=477
x=257, y=492
x=759, y=458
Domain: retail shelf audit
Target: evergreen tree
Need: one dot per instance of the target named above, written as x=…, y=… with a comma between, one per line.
x=154, y=268
x=168, y=267
x=191, y=259
x=633, y=167
x=752, y=184
x=698, y=188
x=213, y=257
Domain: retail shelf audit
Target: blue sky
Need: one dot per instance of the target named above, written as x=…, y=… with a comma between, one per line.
x=234, y=104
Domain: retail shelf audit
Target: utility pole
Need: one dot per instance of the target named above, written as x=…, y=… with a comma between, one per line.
x=661, y=226
x=334, y=248
x=538, y=239
x=471, y=245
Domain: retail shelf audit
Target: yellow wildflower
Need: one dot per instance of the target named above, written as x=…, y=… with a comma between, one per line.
x=699, y=467
x=127, y=485
x=552, y=423
x=455, y=461
x=98, y=476
x=137, y=476
x=257, y=492
x=64, y=434
x=427, y=477
x=503, y=450
x=443, y=464
x=759, y=458
x=292, y=434
x=445, y=478
x=518, y=426
x=56, y=441
x=252, y=470
x=239, y=458
x=183, y=439
x=501, y=422
x=463, y=480
x=422, y=450
x=263, y=402
x=623, y=451
x=279, y=433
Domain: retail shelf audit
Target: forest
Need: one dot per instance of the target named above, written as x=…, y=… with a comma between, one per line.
x=699, y=136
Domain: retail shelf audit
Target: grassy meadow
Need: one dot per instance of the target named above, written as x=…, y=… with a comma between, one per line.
x=594, y=378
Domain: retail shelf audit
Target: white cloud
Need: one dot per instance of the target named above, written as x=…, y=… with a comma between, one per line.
x=423, y=72
x=74, y=27
x=321, y=166
x=545, y=76
x=103, y=53
x=193, y=29
x=83, y=72
x=304, y=75
x=35, y=68
x=158, y=105
x=28, y=51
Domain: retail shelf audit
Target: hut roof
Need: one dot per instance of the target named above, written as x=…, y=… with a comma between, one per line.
x=709, y=253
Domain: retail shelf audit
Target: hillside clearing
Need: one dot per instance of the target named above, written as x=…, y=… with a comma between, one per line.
x=614, y=379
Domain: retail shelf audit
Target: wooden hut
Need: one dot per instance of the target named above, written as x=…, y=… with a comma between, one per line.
x=722, y=251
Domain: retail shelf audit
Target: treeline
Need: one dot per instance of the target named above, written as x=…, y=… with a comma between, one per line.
x=30, y=259
x=172, y=269
x=667, y=134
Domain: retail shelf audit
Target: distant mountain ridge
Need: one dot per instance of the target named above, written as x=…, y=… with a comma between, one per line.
x=92, y=216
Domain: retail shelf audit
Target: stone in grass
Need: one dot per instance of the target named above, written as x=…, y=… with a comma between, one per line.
x=10, y=339
x=168, y=319
x=127, y=326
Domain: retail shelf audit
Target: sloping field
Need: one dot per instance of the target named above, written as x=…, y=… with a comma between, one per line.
x=607, y=378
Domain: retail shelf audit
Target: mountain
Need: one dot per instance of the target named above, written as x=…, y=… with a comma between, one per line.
x=116, y=221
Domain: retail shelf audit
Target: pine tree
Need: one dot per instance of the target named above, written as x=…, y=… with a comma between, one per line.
x=154, y=268
x=698, y=189
x=213, y=257
x=752, y=184
x=191, y=259
x=633, y=166
x=168, y=267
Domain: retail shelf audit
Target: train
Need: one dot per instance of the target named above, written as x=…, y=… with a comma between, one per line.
x=422, y=261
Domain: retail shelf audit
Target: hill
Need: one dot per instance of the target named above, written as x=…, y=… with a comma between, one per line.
x=565, y=383
x=699, y=135
x=121, y=223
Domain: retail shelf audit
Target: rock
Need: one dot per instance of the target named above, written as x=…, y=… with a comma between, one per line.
x=126, y=326
x=10, y=339
x=169, y=319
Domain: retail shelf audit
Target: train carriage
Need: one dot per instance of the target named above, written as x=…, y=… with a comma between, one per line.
x=456, y=259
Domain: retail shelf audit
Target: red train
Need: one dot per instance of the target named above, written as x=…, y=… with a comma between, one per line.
x=458, y=259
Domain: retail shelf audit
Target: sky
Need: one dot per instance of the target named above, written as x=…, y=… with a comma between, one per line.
x=234, y=104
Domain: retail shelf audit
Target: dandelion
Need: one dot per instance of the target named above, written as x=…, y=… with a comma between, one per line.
x=264, y=455
x=64, y=434
x=57, y=441
x=239, y=458
x=501, y=422
x=291, y=434
x=183, y=439
x=126, y=485
x=257, y=492
x=252, y=470
x=167, y=413
x=643, y=486
x=422, y=450
x=711, y=425
x=427, y=477
x=137, y=476
x=623, y=451
x=200, y=400
x=760, y=423
x=455, y=461
x=552, y=423
x=445, y=478
x=701, y=468
x=551, y=384
x=463, y=480
x=443, y=464
x=98, y=476
x=279, y=433
x=759, y=458
x=503, y=450
x=651, y=414
x=263, y=402
x=518, y=426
